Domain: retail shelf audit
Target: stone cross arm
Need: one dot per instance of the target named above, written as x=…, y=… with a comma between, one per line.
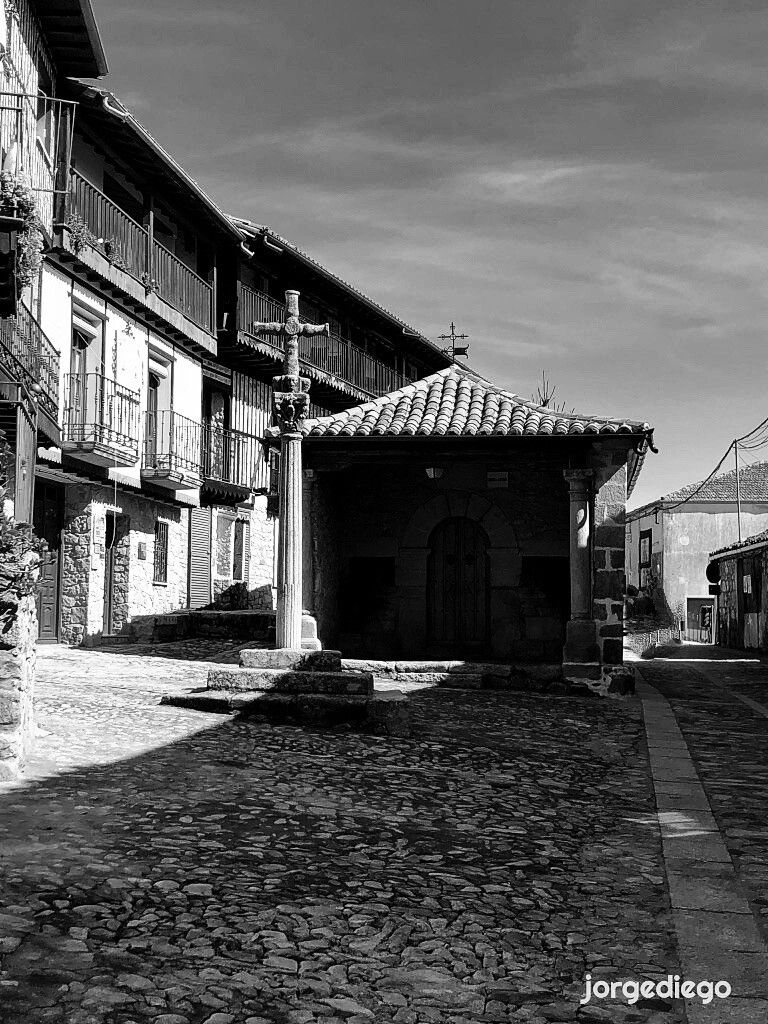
x=291, y=329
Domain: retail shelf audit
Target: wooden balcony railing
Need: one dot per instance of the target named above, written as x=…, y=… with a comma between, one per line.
x=30, y=132
x=232, y=457
x=172, y=443
x=132, y=248
x=334, y=355
x=29, y=356
x=100, y=412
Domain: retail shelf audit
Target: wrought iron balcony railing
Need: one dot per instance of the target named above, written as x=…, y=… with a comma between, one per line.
x=334, y=354
x=172, y=449
x=101, y=418
x=28, y=356
x=231, y=457
x=96, y=221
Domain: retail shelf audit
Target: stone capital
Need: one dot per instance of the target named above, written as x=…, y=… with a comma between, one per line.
x=579, y=480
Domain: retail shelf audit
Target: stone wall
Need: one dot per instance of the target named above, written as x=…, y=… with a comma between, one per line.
x=137, y=596
x=17, y=679
x=388, y=512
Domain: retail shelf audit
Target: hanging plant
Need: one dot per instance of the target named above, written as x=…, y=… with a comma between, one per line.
x=20, y=552
x=29, y=254
x=80, y=234
x=16, y=195
x=114, y=253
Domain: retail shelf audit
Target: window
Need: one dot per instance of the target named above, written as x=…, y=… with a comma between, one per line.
x=239, y=542
x=161, y=552
x=645, y=548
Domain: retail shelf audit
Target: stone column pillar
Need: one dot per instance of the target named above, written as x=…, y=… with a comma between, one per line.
x=289, y=564
x=579, y=482
x=581, y=646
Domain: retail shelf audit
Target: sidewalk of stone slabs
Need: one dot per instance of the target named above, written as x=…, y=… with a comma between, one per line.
x=169, y=866
x=720, y=700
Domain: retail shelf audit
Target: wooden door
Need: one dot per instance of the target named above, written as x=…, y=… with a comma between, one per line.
x=110, y=544
x=458, y=585
x=48, y=524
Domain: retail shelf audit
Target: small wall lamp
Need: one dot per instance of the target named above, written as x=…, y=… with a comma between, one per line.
x=435, y=472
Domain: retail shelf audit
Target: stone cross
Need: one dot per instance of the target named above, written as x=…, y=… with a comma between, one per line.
x=291, y=402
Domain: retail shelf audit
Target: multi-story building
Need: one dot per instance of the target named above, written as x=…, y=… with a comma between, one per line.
x=134, y=389
x=39, y=47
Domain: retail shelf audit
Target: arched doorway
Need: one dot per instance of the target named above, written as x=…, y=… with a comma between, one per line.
x=458, y=587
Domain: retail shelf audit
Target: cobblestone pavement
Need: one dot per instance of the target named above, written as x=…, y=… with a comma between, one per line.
x=728, y=742
x=166, y=865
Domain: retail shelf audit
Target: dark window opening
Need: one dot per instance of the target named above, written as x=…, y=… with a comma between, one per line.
x=646, y=537
x=161, y=552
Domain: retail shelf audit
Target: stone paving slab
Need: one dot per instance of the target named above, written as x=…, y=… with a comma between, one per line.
x=162, y=865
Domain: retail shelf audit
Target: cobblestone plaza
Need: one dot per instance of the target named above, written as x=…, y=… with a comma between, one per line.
x=161, y=864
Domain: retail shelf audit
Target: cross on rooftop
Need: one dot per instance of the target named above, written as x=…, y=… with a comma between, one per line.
x=453, y=337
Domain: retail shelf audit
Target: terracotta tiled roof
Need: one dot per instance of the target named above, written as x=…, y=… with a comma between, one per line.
x=456, y=402
x=748, y=542
x=753, y=486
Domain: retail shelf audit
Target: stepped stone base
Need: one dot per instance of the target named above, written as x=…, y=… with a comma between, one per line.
x=285, y=658
x=381, y=713
x=279, y=680
x=307, y=687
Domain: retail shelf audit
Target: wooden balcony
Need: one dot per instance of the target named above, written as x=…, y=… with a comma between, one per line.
x=233, y=464
x=334, y=356
x=172, y=456
x=30, y=134
x=101, y=420
x=99, y=226
x=28, y=357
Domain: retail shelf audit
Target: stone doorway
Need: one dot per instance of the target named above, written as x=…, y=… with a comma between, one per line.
x=458, y=586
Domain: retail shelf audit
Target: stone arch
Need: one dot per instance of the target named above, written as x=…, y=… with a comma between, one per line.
x=460, y=504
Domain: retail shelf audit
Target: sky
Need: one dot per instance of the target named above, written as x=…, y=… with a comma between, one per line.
x=581, y=185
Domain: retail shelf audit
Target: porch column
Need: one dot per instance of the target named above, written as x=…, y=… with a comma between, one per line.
x=579, y=481
x=581, y=655
x=289, y=559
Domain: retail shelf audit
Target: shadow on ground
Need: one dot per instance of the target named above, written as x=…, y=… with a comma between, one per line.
x=473, y=873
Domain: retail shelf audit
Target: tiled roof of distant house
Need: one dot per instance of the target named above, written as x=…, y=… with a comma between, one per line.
x=753, y=486
x=756, y=540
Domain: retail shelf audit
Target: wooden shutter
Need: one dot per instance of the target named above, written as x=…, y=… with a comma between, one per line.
x=199, y=557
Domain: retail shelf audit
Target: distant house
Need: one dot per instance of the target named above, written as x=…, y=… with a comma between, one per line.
x=742, y=607
x=669, y=541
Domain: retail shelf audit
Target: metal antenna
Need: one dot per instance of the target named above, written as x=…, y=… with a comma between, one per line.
x=453, y=349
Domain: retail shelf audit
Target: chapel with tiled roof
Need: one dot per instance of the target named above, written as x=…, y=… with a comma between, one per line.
x=453, y=519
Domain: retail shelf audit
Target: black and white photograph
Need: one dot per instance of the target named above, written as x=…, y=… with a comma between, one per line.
x=383, y=512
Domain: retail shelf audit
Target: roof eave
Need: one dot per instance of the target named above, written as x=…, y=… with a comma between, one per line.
x=307, y=261
x=122, y=115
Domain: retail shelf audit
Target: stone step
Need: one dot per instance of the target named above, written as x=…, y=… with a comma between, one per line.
x=299, y=661
x=277, y=680
x=448, y=680
x=383, y=714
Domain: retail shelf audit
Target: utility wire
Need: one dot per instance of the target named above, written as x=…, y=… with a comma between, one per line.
x=755, y=432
